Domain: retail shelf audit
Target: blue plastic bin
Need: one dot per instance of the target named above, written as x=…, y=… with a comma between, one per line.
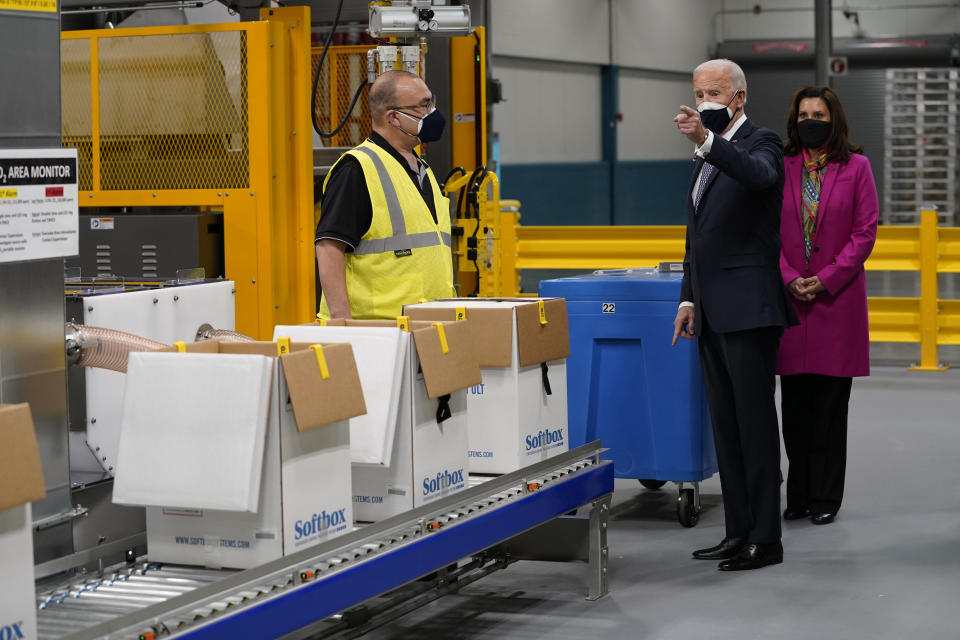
x=626, y=385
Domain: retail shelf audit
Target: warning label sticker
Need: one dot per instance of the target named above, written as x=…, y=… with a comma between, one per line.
x=49, y=6
x=38, y=203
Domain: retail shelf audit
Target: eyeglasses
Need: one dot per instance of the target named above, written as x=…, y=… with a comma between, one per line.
x=426, y=105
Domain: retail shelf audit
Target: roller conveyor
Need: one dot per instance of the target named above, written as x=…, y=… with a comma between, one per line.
x=303, y=590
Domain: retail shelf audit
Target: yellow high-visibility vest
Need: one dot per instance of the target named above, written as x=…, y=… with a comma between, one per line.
x=404, y=256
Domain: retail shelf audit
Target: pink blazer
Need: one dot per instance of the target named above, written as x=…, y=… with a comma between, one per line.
x=833, y=336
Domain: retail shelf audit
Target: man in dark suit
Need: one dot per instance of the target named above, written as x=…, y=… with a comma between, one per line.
x=732, y=297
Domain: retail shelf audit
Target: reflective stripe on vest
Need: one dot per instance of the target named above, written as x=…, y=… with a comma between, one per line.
x=405, y=253
x=399, y=243
x=400, y=239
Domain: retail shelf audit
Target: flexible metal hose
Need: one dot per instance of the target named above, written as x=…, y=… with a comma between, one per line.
x=207, y=332
x=103, y=348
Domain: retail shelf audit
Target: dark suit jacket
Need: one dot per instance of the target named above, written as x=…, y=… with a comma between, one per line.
x=731, y=271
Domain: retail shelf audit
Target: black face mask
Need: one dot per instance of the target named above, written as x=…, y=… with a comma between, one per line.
x=429, y=127
x=714, y=117
x=813, y=133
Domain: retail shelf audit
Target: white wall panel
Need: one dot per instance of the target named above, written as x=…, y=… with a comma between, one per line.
x=648, y=104
x=668, y=36
x=878, y=18
x=562, y=30
x=551, y=113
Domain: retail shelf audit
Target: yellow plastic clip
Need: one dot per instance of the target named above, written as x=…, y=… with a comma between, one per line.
x=321, y=361
x=461, y=313
x=283, y=346
x=321, y=321
x=403, y=323
x=181, y=346
x=543, y=312
x=443, y=337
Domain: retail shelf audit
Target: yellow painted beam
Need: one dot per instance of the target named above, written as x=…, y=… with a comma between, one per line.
x=948, y=250
x=928, y=293
x=95, y=111
x=926, y=248
x=268, y=222
x=620, y=247
x=948, y=322
x=285, y=218
x=159, y=197
x=894, y=319
x=463, y=117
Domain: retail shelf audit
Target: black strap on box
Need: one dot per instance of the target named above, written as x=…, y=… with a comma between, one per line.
x=443, y=408
x=546, y=379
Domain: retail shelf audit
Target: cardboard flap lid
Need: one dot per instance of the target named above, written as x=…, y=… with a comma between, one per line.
x=381, y=356
x=445, y=373
x=537, y=342
x=491, y=330
x=21, y=475
x=317, y=401
x=259, y=348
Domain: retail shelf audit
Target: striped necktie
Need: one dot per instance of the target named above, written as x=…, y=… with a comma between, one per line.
x=705, y=174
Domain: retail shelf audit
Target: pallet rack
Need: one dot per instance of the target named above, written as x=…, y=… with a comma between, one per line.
x=920, y=166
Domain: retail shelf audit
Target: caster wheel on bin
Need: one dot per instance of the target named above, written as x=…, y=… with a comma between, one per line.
x=687, y=512
x=652, y=484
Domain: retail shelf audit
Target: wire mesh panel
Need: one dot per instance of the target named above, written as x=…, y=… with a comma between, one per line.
x=76, y=115
x=173, y=111
x=921, y=136
x=335, y=92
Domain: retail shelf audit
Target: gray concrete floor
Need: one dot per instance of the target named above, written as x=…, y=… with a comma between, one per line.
x=887, y=569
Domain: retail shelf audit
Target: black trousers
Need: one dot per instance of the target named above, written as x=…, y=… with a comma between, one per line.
x=739, y=370
x=814, y=411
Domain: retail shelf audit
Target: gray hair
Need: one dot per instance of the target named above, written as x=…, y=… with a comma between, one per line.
x=738, y=81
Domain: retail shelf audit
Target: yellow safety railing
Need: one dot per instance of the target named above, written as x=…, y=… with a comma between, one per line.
x=927, y=248
x=206, y=116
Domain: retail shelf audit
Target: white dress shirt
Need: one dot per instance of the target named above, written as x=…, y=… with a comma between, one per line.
x=704, y=149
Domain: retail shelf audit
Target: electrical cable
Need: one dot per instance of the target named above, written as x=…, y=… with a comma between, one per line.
x=477, y=104
x=458, y=209
x=343, y=122
x=316, y=83
x=456, y=169
x=461, y=213
x=476, y=179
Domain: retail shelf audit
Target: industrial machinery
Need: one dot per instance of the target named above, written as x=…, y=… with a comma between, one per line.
x=210, y=120
x=459, y=82
x=317, y=591
x=193, y=150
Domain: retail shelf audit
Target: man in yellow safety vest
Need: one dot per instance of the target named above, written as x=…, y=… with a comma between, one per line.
x=383, y=239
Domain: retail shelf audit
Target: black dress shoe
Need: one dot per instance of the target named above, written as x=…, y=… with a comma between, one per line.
x=754, y=556
x=727, y=548
x=823, y=518
x=795, y=514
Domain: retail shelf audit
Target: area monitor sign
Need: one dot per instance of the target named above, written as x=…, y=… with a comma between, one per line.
x=38, y=204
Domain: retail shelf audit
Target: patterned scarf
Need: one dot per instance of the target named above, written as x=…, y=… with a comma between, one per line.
x=810, y=194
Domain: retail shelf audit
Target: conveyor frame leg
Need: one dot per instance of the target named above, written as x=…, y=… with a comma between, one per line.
x=599, y=553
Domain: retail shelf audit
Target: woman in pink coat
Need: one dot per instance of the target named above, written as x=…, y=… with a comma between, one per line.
x=827, y=227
